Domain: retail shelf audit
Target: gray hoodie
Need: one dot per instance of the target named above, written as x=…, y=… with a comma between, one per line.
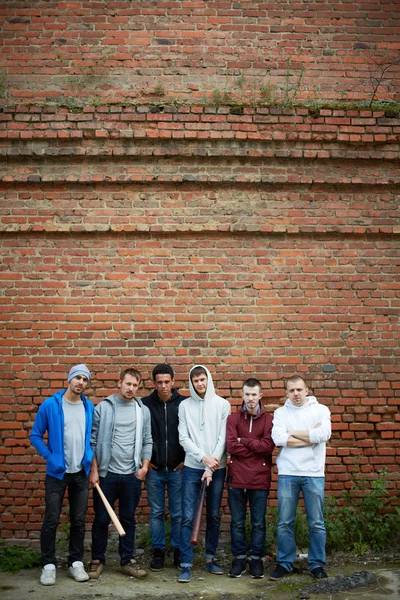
x=103, y=432
x=202, y=425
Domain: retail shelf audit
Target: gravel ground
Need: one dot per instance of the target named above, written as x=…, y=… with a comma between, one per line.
x=383, y=571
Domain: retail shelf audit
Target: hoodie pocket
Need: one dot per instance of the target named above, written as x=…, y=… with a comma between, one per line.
x=55, y=463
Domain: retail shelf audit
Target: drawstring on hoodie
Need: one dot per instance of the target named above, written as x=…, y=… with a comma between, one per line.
x=202, y=415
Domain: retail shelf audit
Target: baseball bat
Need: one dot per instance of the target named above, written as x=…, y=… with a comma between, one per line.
x=110, y=511
x=197, y=517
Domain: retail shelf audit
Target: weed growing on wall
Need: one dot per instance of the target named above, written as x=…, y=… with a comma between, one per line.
x=364, y=522
x=14, y=558
x=380, y=76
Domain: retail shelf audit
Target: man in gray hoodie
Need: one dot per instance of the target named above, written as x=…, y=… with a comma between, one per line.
x=122, y=445
x=202, y=434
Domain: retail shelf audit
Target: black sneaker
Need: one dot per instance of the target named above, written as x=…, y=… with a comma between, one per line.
x=279, y=572
x=238, y=567
x=256, y=568
x=157, y=562
x=177, y=558
x=319, y=573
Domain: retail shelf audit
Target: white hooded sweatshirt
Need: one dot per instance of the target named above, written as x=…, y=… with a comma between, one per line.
x=310, y=460
x=202, y=425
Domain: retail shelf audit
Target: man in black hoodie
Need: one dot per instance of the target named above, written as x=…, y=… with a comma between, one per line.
x=166, y=465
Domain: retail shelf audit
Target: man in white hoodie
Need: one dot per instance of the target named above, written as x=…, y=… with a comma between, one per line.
x=301, y=429
x=202, y=434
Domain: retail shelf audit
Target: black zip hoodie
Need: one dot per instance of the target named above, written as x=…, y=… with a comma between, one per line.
x=167, y=451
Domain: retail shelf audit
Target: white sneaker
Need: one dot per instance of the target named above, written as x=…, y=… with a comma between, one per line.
x=77, y=571
x=48, y=576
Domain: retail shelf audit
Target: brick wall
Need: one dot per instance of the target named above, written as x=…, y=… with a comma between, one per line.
x=258, y=240
x=194, y=49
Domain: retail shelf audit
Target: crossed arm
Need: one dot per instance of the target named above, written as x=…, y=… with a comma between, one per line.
x=299, y=438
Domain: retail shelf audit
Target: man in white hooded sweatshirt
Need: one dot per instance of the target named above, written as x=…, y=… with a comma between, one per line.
x=202, y=434
x=301, y=429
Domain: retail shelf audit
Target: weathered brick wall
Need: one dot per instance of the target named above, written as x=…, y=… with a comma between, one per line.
x=258, y=240
x=189, y=50
x=266, y=245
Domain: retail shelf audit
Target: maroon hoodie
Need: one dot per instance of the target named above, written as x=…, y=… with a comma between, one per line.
x=250, y=459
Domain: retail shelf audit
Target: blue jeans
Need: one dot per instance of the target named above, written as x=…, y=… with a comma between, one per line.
x=156, y=483
x=312, y=488
x=191, y=485
x=237, y=500
x=127, y=490
x=78, y=492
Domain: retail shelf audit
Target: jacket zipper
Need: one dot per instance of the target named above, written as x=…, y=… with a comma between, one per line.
x=166, y=436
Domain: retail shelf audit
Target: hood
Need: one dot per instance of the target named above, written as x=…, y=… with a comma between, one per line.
x=210, y=392
x=310, y=400
x=154, y=395
x=260, y=411
x=112, y=398
x=58, y=396
x=209, y=395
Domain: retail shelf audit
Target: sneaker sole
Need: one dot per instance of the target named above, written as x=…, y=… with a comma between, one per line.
x=183, y=580
x=257, y=576
x=237, y=576
x=279, y=578
x=47, y=582
x=79, y=580
x=213, y=573
x=156, y=570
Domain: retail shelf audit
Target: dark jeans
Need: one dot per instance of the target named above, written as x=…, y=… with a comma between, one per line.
x=78, y=490
x=237, y=499
x=127, y=490
x=191, y=485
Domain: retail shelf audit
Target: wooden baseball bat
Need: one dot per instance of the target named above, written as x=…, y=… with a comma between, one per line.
x=199, y=511
x=110, y=511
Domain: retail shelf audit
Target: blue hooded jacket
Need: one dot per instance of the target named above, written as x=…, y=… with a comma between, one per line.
x=50, y=418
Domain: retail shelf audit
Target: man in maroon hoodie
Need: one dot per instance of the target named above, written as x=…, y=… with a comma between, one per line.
x=250, y=446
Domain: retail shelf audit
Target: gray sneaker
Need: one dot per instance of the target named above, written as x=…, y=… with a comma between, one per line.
x=48, y=576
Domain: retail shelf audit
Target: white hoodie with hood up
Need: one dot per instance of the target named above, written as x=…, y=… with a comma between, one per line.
x=202, y=425
x=310, y=460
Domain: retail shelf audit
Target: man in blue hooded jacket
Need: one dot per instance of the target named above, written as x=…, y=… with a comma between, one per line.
x=67, y=418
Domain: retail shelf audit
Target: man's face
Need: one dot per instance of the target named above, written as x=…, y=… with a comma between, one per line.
x=78, y=384
x=297, y=392
x=164, y=385
x=128, y=387
x=200, y=384
x=251, y=398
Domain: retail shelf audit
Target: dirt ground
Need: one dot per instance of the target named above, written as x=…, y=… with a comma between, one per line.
x=113, y=585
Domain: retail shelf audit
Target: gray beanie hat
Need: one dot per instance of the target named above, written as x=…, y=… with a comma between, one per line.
x=79, y=370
